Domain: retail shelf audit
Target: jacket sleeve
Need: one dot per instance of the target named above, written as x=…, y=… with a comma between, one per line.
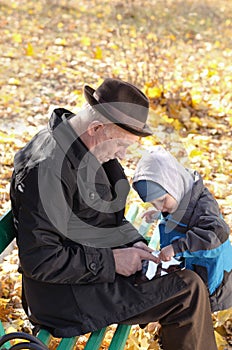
x=45, y=253
x=207, y=230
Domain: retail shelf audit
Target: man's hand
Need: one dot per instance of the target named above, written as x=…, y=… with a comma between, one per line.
x=166, y=253
x=142, y=245
x=129, y=260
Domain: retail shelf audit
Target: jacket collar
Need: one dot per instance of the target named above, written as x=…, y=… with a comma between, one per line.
x=184, y=212
x=75, y=150
x=67, y=138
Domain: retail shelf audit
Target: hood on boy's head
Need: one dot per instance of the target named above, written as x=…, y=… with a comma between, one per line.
x=149, y=190
x=159, y=166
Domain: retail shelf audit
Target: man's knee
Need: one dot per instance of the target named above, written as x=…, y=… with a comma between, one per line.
x=194, y=282
x=190, y=276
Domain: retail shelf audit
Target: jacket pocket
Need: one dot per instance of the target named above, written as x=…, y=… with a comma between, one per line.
x=91, y=195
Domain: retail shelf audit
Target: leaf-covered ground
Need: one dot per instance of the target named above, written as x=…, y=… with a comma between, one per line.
x=178, y=52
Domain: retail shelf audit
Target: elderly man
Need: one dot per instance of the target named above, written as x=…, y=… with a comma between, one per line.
x=78, y=254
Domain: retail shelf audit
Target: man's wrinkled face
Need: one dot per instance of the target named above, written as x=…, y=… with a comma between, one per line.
x=113, y=143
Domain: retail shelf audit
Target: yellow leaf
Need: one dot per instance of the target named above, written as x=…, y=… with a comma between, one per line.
x=217, y=43
x=17, y=38
x=98, y=54
x=154, y=92
x=4, y=138
x=152, y=36
x=77, y=92
x=85, y=41
x=18, y=323
x=4, y=301
x=195, y=153
x=60, y=42
x=133, y=33
x=60, y=25
x=10, y=54
x=168, y=120
x=196, y=99
x=14, y=81
x=29, y=50
x=215, y=89
x=11, y=329
x=177, y=124
x=221, y=342
x=100, y=15
x=172, y=37
x=224, y=315
x=114, y=46
x=196, y=120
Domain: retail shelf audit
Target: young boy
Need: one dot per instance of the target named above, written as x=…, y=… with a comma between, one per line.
x=191, y=226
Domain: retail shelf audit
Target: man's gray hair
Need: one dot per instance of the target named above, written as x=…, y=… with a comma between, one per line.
x=92, y=114
x=85, y=116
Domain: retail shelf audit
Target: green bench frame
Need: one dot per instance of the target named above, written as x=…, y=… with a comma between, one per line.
x=7, y=234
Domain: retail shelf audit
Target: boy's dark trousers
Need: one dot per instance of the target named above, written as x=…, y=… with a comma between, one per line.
x=185, y=318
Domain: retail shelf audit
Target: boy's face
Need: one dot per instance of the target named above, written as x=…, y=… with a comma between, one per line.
x=166, y=203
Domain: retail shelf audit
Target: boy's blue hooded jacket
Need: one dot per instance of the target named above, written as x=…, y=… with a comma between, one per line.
x=196, y=230
x=202, y=238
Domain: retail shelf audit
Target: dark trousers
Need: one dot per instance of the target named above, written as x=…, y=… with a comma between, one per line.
x=185, y=317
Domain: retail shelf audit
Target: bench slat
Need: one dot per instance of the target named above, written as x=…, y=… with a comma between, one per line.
x=67, y=343
x=95, y=339
x=7, y=231
x=2, y=332
x=120, y=337
x=44, y=336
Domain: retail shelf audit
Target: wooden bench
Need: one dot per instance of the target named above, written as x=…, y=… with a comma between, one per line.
x=7, y=235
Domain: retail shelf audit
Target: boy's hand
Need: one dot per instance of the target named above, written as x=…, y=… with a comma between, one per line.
x=150, y=215
x=166, y=253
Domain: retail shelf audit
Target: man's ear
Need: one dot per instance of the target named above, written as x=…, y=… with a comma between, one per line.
x=94, y=127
